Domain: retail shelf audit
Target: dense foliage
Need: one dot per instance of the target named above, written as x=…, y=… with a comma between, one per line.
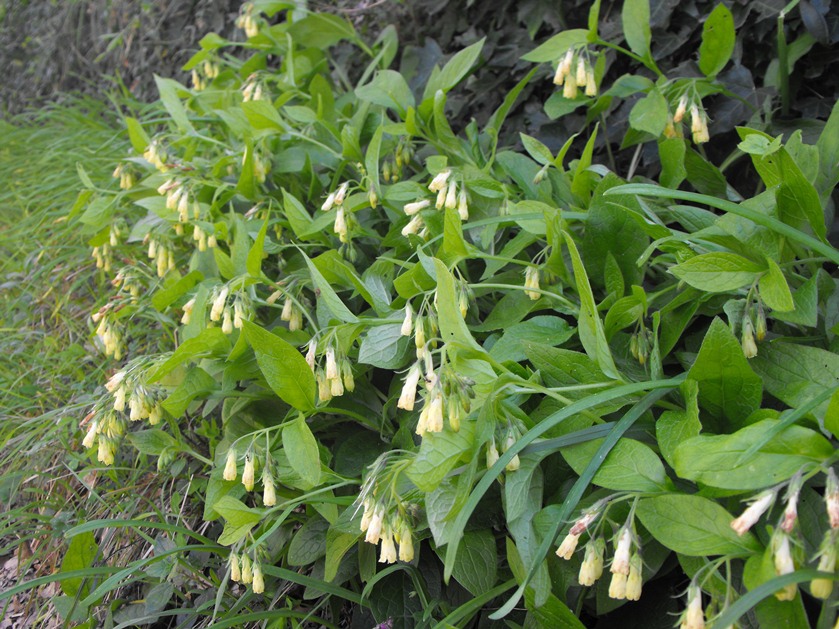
x=434, y=375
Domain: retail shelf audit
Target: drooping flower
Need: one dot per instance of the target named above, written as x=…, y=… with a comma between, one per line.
x=752, y=514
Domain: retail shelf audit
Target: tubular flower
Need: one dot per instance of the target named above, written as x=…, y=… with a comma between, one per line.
x=531, y=283
x=617, y=586
x=408, y=322
x=409, y=389
x=634, y=581
x=230, y=465
x=235, y=573
x=831, y=498
x=568, y=546
x=247, y=571
x=784, y=564
x=258, y=579
x=752, y=514
x=248, y=473
x=388, y=548
x=411, y=209
x=592, y=567
x=693, y=617
x=440, y=180
x=823, y=588
x=620, y=563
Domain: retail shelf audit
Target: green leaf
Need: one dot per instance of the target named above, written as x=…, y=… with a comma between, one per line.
x=693, y=526
x=438, y=506
x=476, y=567
x=590, y=328
x=728, y=388
x=718, y=460
x=301, y=448
x=80, y=554
x=630, y=466
x=828, y=146
x=337, y=544
x=309, y=542
x=438, y=454
x=327, y=295
x=168, y=89
x=543, y=330
x=717, y=41
x=210, y=342
x=452, y=326
x=650, y=113
x=153, y=441
x=796, y=373
x=636, y=25
x=457, y=68
x=554, y=613
x=388, y=89
x=257, y=252
x=806, y=301
x=371, y=158
x=674, y=427
x=285, y=369
x=321, y=30
x=671, y=153
x=774, y=290
x=717, y=272
x=239, y=519
x=557, y=45
x=536, y=149
x=384, y=346
x=164, y=297
x=137, y=135
x=454, y=248
x=262, y=115
x=196, y=383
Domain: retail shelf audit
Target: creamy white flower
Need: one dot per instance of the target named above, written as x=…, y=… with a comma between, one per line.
x=412, y=208
x=568, y=546
x=409, y=390
x=620, y=562
x=752, y=514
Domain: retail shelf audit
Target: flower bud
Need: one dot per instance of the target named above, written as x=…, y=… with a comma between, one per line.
x=388, y=549
x=269, y=494
x=248, y=473
x=451, y=196
x=330, y=201
x=247, y=572
x=509, y=442
x=568, y=546
x=235, y=573
x=409, y=389
x=831, y=498
x=463, y=205
x=230, y=465
x=681, y=108
x=492, y=454
x=823, y=588
x=439, y=182
x=634, y=581
x=617, y=586
x=408, y=322
x=752, y=514
x=406, y=544
x=784, y=564
x=218, y=304
x=411, y=209
x=693, y=617
x=258, y=579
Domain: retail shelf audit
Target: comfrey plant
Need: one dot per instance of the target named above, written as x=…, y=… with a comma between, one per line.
x=390, y=343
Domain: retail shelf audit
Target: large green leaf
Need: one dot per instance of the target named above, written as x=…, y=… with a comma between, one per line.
x=694, y=526
x=719, y=461
x=301, y=448
x=285, y=369
x=717, y=41
x=728, y=388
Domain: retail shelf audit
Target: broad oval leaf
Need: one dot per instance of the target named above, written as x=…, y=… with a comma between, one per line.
x=285, y=369
x=693, y=526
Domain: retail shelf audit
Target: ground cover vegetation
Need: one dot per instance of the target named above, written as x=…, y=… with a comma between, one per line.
x=368, y=347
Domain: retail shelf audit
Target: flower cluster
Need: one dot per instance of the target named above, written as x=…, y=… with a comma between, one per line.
x=507, y=439
x=247, y=572
x=343, y=218
x=231, y=473
x=573, y=72
x=108, y=331
x=627, y=566
x=246, y=20
x=449, y=197
x=691, y=106
x=162, y=252
x=156, y=155
x=126, y=175
x=783, y=543
x=203, y=73
x=254, y=89
x=129, y=392
x=386, y=519
x=335, y=375
x=231, y=309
